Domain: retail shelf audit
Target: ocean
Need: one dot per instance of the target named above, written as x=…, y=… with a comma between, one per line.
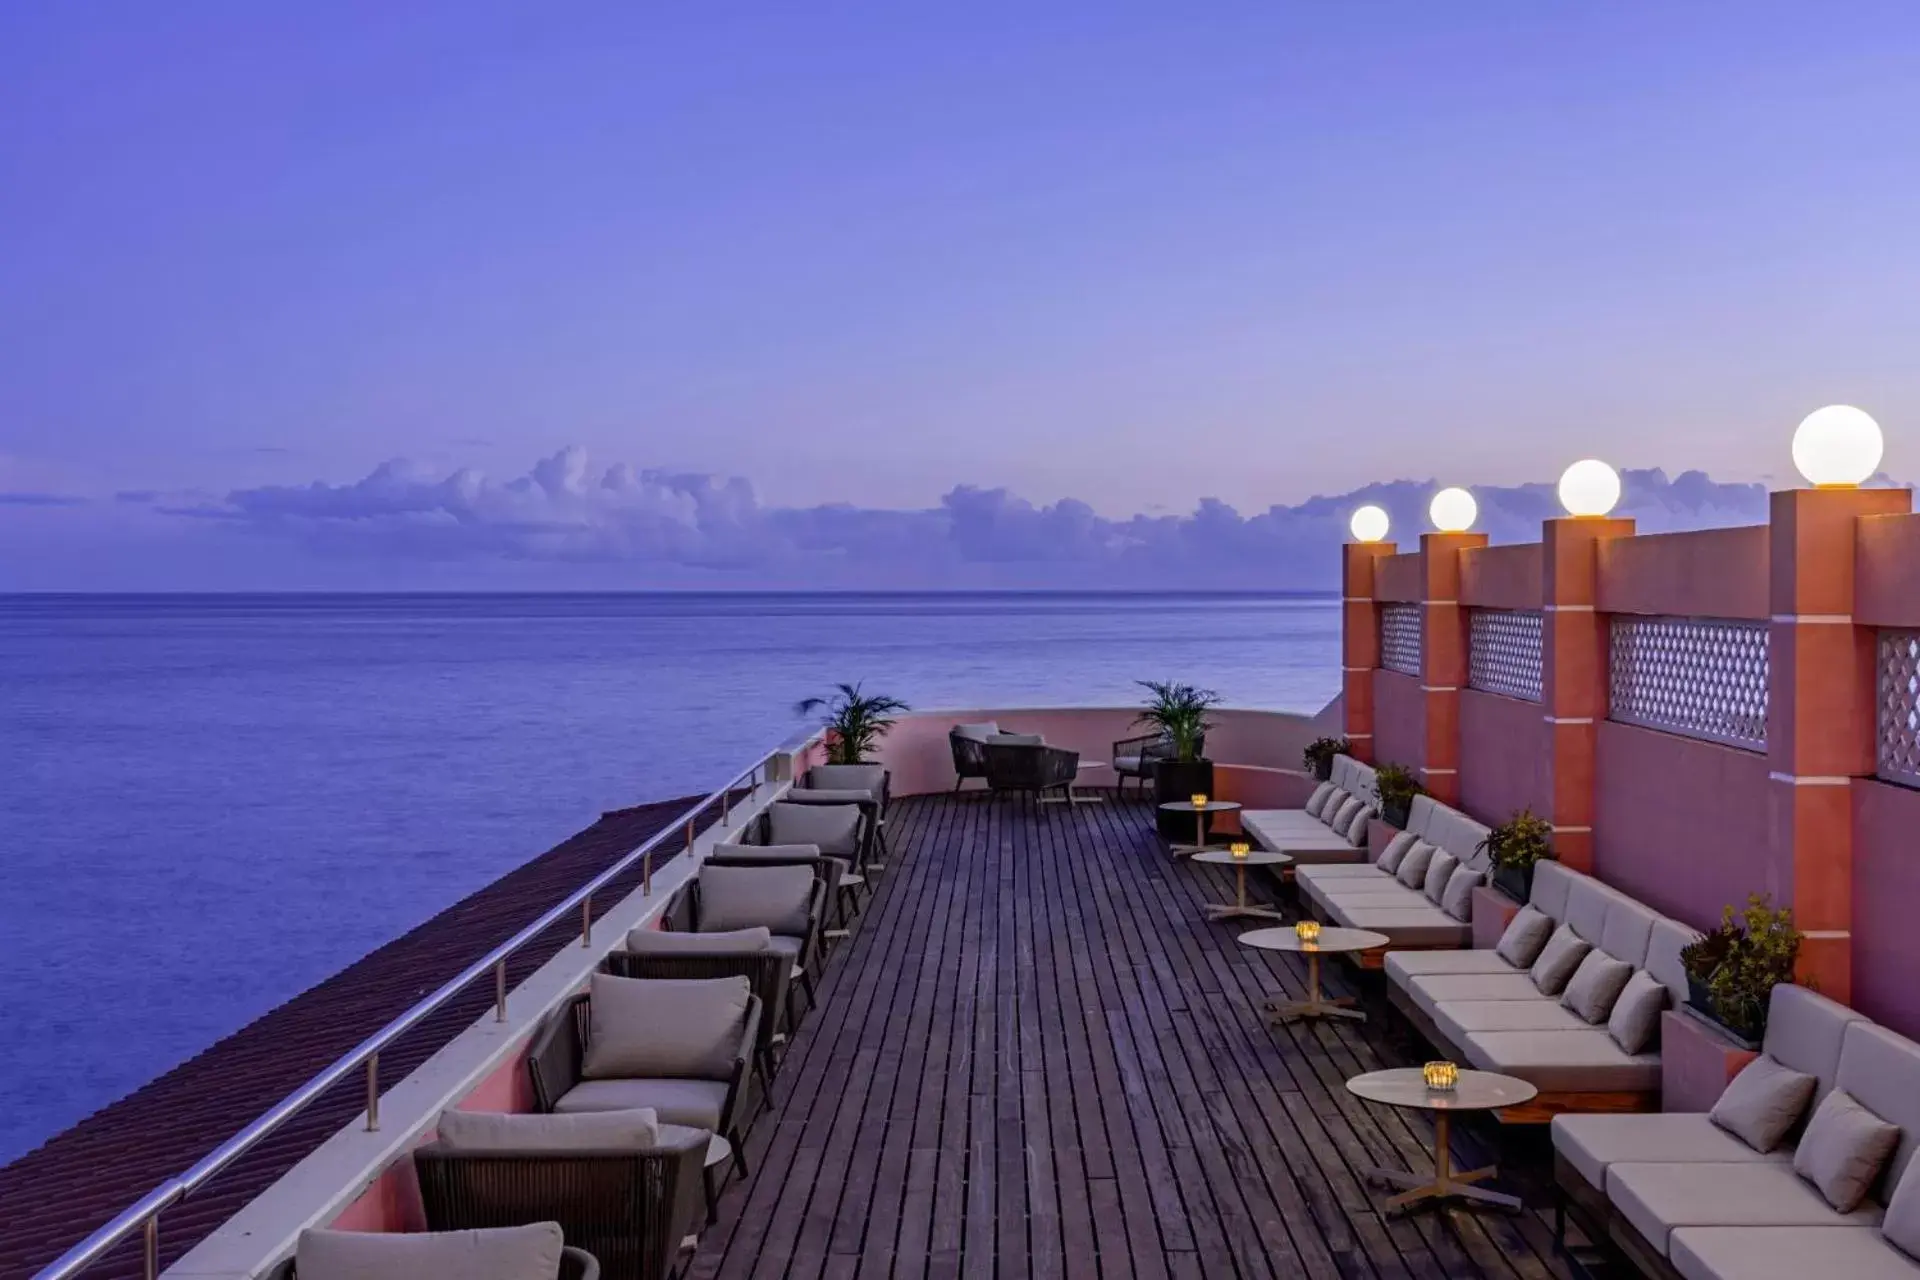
x=210, y=803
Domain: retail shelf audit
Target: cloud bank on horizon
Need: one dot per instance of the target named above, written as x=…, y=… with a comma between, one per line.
x=569, y=523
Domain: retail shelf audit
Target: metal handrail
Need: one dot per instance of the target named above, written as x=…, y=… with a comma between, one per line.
x=143, y=1215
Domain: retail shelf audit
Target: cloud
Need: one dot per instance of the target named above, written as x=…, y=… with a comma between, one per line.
x=614, y=525
x=41, y=500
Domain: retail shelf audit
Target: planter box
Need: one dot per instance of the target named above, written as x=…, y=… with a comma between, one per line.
x=1493, y=911
x=1697, y=1059
x=1515, y=882
x=1379, y=832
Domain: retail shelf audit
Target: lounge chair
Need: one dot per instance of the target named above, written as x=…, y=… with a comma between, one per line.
x=874, y=779
x=1030, y=768
x=531, y=1252
x=762, y=887
x=966, y=741
x=736, y=953
x=1136, y=757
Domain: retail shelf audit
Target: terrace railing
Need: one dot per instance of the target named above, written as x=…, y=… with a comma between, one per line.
x=142, y=1218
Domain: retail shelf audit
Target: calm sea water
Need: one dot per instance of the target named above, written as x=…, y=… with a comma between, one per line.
x=208, y=804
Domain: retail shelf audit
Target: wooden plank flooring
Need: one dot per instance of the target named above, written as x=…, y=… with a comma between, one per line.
x=1035, y=1058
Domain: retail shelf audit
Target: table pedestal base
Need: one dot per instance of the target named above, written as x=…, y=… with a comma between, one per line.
x=1240, y=907
x=1315, y=1005
x=1444, y=1184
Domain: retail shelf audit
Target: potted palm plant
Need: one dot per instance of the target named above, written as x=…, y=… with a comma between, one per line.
x=1514, y=847
x=1318, y=757
x=1178, y=712
x=855, y=721
x=1732, y=971
x=1396, y=787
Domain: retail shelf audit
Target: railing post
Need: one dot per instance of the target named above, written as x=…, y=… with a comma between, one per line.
x=373, y=1092
x=150, y=1247
x=500, y=991
x=1359, y=641
x=726, y=806
x=586, y=921
x=689, y=835
x=646, y=874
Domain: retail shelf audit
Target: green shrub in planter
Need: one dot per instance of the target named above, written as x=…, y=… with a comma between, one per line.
x=1514, y=847
x=855, y=722
x=1397, y=787
x=1732, y=971
x=1318, y=757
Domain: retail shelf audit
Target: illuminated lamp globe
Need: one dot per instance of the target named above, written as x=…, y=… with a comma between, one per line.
x=1369, y=524
x=1837, y=445
x=1589, y=488
x=1453, y=510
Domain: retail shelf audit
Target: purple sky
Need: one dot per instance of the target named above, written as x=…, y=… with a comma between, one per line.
x=1109, y=253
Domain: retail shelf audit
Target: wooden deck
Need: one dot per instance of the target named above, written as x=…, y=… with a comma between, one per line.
x=1035, y=1058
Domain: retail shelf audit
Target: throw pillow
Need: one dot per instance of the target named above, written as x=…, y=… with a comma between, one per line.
x=1558, y=960
x=1343, y=816
x=1901, y=1226
x=1762, y=1103
x=1844, y=1149
x=1457, y=901
x=1635, y=1019
x=496, y=1253
x=1413, y=867
x=1356, y=831
x=1335, y=798
x=1389, y=859
x=1595, y=985
x=1318, y=799
x=635, y=1130
x=664, y=1028
x=1526, y=934
x=1439, y=871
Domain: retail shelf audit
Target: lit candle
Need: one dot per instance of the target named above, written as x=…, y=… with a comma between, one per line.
x=1239, y=848
x=1307, y=931
x=1199, y=799
x=1441, y=1075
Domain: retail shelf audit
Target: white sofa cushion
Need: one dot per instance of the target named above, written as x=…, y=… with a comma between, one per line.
x=1404, y=965
x=1595, y=985
x=1761, y=1104
x=1356, y=828
x=1318, y=799
x=1558, y=961
x=1565, y=1061
x=1429, y=990
x=1844, y=1150
x=1525, y=937
x=1902, y=1223
x=637, y=1130
x=776, y=898
x=1417, y=923
x=1591, y=1142
x=1634, y=1023
x=1656, y=1198
x=1881, y=1071
x=654, y=942
x=1439, y=871
x=1412, y=871
x=696, y=1104
x=1787, y=1253
x=1350, y=808
x=1458, y=1019
x=1395, y=850
x=1805, y=1031
x=1457, y=898
x=499, y=1253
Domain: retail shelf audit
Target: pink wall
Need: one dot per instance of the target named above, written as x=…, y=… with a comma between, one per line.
x=1887, y=571
x=1682, y=824
x=1399, y=577
x=1504, y=577
x=1710, y=573
x=1502, y=744
x=1399, y=720
x=1886, y=904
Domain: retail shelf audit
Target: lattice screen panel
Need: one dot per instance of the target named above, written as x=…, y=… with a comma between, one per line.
x=1900, y=707
x=1504, y=652
x=1400, y=638
x=1702, y=677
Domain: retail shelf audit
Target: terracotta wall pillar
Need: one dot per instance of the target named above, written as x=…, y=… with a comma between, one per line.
x=1820, y=715
x=1359, y=641
x=1443, y=658
x=1573, y=692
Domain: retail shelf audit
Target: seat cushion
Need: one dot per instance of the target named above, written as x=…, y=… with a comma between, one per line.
x=641, y=1027
x=1292, y=831
x=1591, y=1143
x=1787, y=1253
x=1430, y=990
x=870, y=778
x=1844, y=1150
x=498, y=1253
x=1458, y=1019
x=1344, y=871
x=1402, y=965
x=1762, y=1103
x=634, y=1130
x=786, y=944
x=778, y=898
x=1657, y=1198
x=1565, y=1061
x=1412, y=926
x=690, y=1102
x=654, y=942
x=1126, y=764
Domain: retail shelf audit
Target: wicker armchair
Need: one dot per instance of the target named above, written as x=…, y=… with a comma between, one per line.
x=780, y=825
x=968, y=742
x=875, y=779
x=1136, y=757
x=1031, y=769
x=805, y=958
x=575, y=1264
x=555, y=1059
x=630, y=1210
x=770, y=972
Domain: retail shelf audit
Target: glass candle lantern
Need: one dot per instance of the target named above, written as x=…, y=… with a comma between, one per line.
x=1239, y=848
x=1441, y=1075
x=1307, y=931
x=1199, y=799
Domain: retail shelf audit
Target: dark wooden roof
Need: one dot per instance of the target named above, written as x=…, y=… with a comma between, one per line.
x=56, y=1195
x=1035, y=1058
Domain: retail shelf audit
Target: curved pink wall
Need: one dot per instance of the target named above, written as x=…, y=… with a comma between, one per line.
x=1502, y=744
x=1709, y=573
x=1682, y=824
x=1886, y=903
x=1399, y=720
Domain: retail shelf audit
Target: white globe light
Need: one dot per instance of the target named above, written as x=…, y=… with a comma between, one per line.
x=1453, y=510
x=1369, y=524
x=1589, y=488
x=1837, y=445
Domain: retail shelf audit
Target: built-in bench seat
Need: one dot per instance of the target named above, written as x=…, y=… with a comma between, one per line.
x=1682, y=1197
x=1368, y=896
x=1307, y=835
x=1483, y=1011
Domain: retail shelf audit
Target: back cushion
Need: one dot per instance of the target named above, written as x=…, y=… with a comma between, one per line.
x=857, y=777
x=977, y=732
x=1664, y=942
x=1587, y=904
x=637, y=1130
x=1625, y=934
x=777, y=899
x=1551, y=881
x=664, y=1028
x=1882, y=1072
x=765, y=851
x=1804, y=1031
x=834, y=827
x=1420, y=817
x=663, y=942
x=498, y=1253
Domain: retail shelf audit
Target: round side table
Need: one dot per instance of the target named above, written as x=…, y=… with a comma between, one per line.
x=1332, y=941
x=1199, y=813
x=1240, y=907
x=1406, y=1088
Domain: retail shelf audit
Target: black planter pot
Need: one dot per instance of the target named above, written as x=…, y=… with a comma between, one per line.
x=1323, y=768
x=1180, y=780
x=1700, y=1005
x=1396, y=814
x=1515, y=882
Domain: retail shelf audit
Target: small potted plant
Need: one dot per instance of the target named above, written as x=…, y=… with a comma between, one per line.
x=1514, y=847
x=1179, y=713
x=855, y=721
x=1319, y=755
x=1397, y=787
x=1739, y=964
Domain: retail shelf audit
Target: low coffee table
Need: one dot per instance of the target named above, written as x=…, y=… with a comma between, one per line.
x=1240, y=907
x=1331, y=941
x=1407, y=1089
x=1071, y=798
x=1199, y=813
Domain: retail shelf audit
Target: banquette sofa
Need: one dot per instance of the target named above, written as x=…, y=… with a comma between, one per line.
x=1333, y=825
x=1506, y=1008
x=1805, y=1167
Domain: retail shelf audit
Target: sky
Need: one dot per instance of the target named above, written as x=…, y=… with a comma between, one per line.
x=364, y=295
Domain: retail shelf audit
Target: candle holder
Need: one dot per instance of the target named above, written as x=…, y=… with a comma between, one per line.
x=1307, y=931
x=1240, y=849
x=1199, y=799
x=1441, y=1076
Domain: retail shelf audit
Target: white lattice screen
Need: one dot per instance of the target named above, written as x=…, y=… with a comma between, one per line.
x=1702, y=677
x=1400, y=638
x=1503, y=654
x=1899, y=701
